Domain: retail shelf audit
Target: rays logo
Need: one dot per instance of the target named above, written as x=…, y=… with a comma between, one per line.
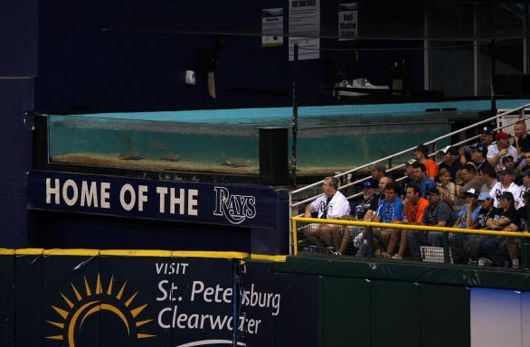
x=76, y=309
x=235, y=208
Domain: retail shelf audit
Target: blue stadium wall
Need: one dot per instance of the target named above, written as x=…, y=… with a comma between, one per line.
x=57, y=56
x=126, y=55
x=160, y=298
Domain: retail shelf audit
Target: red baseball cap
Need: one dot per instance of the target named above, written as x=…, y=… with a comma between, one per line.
x=501, y=135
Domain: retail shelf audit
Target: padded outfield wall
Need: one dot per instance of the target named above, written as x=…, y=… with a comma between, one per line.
x=162, y=298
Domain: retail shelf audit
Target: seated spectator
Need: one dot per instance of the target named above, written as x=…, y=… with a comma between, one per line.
x=361, y=210
x=446, y=187
x=422, y=180
x=521, y=139
x=519, y=224
x=495, y=246
x=378, y=171
x=466, y=218
x=506, y=184
x=474, y=242
x=478, y=157
x=331, y=205
x=438, y=213
x=500, y=149
x=524, y=188
x=409, y=175
x=390, y=210
x=487, y=176
x=485, y=139
x=470, y=181
x=421, y=154
x=415, y=207
x=381, y=187
x=450, y=161
x=487, y=211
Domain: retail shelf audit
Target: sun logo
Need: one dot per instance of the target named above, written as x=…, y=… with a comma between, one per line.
x=92, y=301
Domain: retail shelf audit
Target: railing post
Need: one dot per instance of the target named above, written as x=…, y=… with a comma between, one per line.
x=525, y=253
x=370, y=241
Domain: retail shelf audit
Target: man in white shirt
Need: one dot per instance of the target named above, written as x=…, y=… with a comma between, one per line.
x=500, y=149
x=331, y=205
x=506, y=184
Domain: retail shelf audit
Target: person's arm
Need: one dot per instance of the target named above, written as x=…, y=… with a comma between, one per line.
x=494, y=158
x=503, y=221
x=308, y=210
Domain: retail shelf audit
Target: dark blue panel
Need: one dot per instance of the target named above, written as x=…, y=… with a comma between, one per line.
x=28, y=308
x=16, y=98
x=18, y=38
x=7, y=300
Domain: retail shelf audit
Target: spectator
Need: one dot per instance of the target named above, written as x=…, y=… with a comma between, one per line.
x=381, y=187
x=474, y=244
x=437, y=214
x=469, y=180
x=521, y=140
x=363, y=210
x=421, y=154
x=378, y=172
x=506, y=184
x=520, y=223
x=501, y=149
x=485, y=139
x=478, y=157
x=390, y=210
x=422, y=180
x=524, y=188
x=487, y=211
x=487, y=176
x=450, y=161
x=415, y=207
x=446, y=187
x=495, y=247
x=466, y=218
x=409, y=175
x=331, y=205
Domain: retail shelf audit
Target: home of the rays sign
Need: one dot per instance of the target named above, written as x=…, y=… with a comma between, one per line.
x=82, y=301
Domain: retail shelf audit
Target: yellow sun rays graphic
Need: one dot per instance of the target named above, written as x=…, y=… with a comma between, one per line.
x=81, y=304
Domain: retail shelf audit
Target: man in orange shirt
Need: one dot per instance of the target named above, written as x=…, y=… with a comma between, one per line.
x=415, y=205
x=421, y=153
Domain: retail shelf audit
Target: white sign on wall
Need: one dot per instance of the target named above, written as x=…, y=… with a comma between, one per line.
x=304, y=29
x=272, y=27
x=348, y=21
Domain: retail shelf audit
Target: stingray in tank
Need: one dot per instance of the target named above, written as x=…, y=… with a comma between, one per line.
x=235, y=162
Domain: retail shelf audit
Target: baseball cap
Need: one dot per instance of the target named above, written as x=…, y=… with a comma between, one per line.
x=506, y=195
x=484, y=196
x=472, y=192
x=432, y=191
x=507, y=171
x=501, y=135
x=525, y=173
x=422, y=148
x=479, y=148
x=411, y=162
x=486, y=130
x=369, y=184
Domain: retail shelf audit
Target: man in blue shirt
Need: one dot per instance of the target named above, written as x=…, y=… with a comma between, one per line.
x=390, y=210
x=422, y=180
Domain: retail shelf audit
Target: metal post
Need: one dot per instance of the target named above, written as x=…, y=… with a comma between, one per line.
x=525, y=245
x=235, y=301
x=370, y=241
x=295, y=116
x=493, y=72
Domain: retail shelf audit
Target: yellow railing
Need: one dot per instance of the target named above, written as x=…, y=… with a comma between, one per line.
x=295, y=220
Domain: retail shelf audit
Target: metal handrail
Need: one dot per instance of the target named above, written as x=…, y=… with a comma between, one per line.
x=295, y=220
x=389, y=157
